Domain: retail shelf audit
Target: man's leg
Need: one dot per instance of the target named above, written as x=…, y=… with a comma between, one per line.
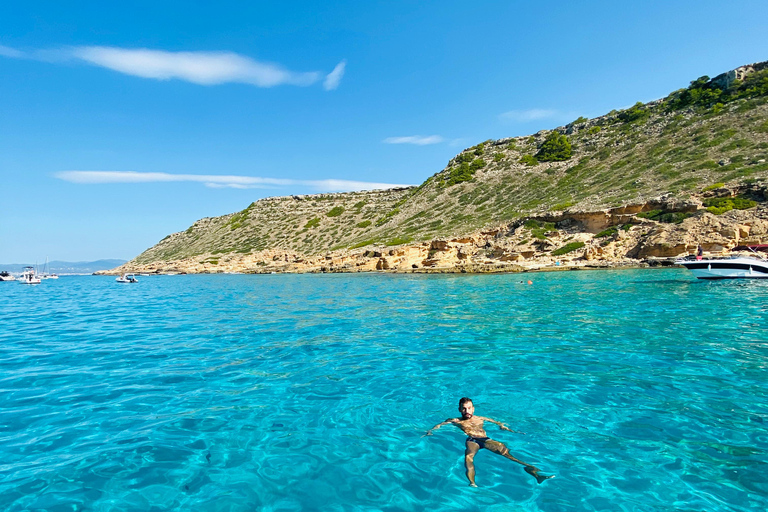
x=469, y=461
x=501, y=449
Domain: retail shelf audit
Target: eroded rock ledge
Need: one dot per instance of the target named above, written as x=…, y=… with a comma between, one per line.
x=612, y=238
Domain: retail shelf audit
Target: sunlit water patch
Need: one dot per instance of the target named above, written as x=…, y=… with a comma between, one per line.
x=641, y=390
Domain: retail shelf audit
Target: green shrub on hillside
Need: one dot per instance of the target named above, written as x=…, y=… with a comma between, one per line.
x=570, y=247
x=532, y=223
x=465, y=157
x=363, y=244
x=399, y=241
x=335, y=211
x=528, y=160
x=714, y=186
x=388, y=216
x=237, y=220
x=607, y=232
x=635, y=114
x=363, y=224
x=673, y=217
x=703, y=93
x=460, y=174
x=498, y=157
x=662, y=216
x=720, y=205
x=580, y=119
x=477, y=164
x=312, y=223
x=555, y=148
x=594, y=130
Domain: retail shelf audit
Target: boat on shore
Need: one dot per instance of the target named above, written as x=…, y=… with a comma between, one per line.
x=733, y=267
x=5, y=276
x=127, y=278
x=29, y=276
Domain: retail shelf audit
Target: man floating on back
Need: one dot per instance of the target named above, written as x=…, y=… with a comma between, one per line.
x=477, y=438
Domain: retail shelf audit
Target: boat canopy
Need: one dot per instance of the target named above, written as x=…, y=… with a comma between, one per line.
x=757, y=247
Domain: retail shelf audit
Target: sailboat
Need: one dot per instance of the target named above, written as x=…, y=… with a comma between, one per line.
x=45, y=274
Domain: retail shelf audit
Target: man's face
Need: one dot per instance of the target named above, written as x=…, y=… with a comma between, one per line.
x=467, y=410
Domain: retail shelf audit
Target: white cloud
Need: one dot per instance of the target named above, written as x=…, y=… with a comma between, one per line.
x=524, y=116
x=218, y=181
x=333, y=78
x=415, y=139
x=203, y=68
x=13, y=53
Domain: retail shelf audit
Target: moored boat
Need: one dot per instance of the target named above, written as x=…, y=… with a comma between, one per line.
x=127, y=278
x=29, y=276
x=734, y=267
x=5, y=276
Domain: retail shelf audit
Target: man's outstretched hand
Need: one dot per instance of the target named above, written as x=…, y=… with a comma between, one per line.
x=504, y=427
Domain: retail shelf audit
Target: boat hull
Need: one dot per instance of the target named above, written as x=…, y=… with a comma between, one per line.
x=740, y=268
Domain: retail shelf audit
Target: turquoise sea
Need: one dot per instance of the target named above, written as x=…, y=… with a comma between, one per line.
x=642, y=390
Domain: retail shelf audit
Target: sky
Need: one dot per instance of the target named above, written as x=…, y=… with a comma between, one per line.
x=123, y=122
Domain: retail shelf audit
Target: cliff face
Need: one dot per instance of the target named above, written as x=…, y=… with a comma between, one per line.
x=645, y=171
x=622, y=236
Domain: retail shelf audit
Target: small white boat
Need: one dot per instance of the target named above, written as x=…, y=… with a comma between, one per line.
x=127, y=278
x=29, y=276
x=5, y=276
x=735, y=267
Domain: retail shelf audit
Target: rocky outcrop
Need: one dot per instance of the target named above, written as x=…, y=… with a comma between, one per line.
x=629, y=240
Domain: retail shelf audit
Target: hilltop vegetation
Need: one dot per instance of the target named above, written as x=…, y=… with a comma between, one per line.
x=710, y=134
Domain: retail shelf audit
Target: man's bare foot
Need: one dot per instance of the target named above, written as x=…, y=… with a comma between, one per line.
x=472, y=484
x=534, y=472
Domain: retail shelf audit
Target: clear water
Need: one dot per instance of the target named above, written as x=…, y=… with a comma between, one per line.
x=642, y=391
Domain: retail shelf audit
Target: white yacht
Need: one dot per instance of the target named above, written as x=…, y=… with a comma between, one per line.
x=5, y=276
x=29, y=276
x=734, y=267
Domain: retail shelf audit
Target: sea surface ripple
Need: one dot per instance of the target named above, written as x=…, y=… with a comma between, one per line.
x=641, y=390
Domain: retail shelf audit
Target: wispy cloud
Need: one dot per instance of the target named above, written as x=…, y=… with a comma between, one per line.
x=333, y=79
x=203, y=68
x=524, y=116
x=5, y=51
x=415, y=139
x=218, y=181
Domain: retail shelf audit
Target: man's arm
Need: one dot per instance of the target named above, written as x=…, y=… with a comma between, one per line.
x=446, y=422
x=501, y=425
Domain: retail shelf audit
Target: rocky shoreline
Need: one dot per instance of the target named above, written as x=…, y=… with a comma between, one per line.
x=615, y=238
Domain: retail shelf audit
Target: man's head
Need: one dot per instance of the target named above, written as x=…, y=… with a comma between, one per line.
x=466, y=408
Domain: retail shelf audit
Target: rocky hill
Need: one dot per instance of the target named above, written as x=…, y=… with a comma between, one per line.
x=650, y=181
